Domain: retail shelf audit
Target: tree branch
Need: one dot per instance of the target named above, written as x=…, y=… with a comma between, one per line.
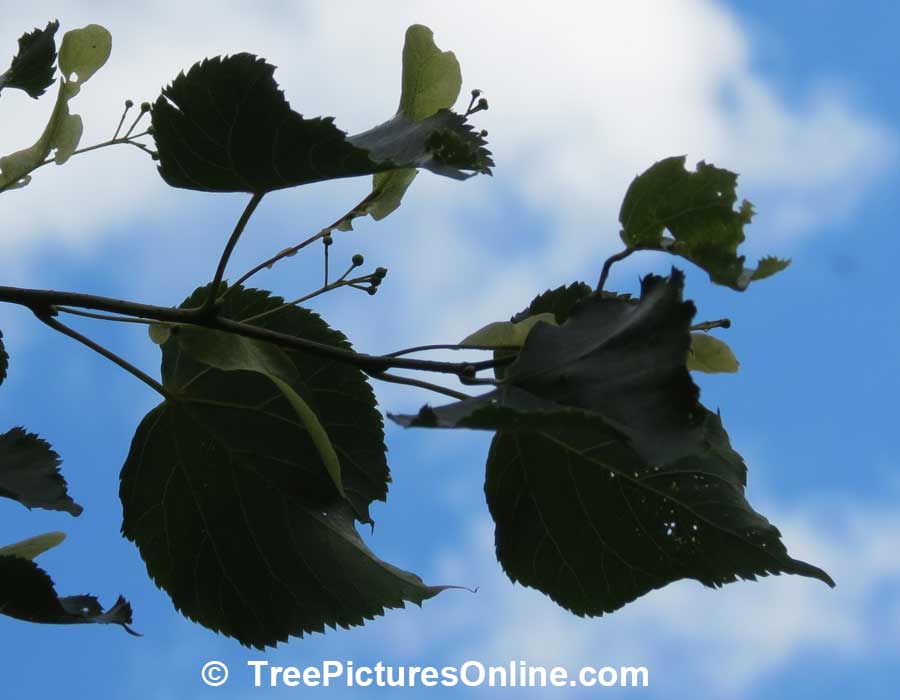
x=47, y=318
x=41, y=300
x=395, y=379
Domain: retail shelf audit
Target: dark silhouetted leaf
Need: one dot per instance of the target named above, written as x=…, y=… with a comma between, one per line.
x=231, y=506
x=225, y=126
x=32, y=67
x=711, y=355
x=619, y=359
x=581, y=517
x=231, y=352
x=559, y=302
x=27, y=593
x=4, y=360
x=697, y=209
x=29, y=473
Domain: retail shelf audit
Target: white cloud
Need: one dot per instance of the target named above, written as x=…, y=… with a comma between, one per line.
x=583, y=95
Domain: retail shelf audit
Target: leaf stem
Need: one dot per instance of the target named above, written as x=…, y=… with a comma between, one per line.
x=396, y=379
x=105, y=317
x=451, y=346
x=46, y=316
x=239, y=227
x=604, y=273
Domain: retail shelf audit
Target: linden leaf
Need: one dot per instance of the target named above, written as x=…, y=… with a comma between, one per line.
x=230, y=352
x=501, y=333
x=711, y=355
x=82, y=53
x=620, y=360
x=697, y=209
x=431, y=77
x=27, y=593
x=32, y=67
x=266, y=545
x=225, y=126
x=29, y=473
x=33, y=546
x=582, y=518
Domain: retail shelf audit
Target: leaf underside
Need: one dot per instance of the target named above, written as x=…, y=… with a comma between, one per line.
x=225, y=126
x=231, y=506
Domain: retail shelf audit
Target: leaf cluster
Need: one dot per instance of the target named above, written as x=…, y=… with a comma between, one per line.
x=606, y=477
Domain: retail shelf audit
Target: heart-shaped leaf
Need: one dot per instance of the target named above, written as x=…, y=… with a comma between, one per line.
x=27, y=593
x=581, y=517
x=696, y=208
x=32, y=67
x=266, y=547
x=231, y=352
x=225, y=126
x=29, y=473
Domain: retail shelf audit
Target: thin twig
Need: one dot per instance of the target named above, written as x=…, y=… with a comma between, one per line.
x=105, y=317
x=327, y=288
x=86, y=149
x=395, y=379
x=604, y=273
x=48, y=319
x=452, y=346
x=293, y=250
x=239, y=227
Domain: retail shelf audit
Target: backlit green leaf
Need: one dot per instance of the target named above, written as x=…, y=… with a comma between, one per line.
x=709, y=354
x=431, y=77
x=85, y=51
x=697, y=209
x=501, y=333
x=33, y=546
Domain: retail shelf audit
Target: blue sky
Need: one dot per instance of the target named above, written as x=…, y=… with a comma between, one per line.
x=799, y=98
